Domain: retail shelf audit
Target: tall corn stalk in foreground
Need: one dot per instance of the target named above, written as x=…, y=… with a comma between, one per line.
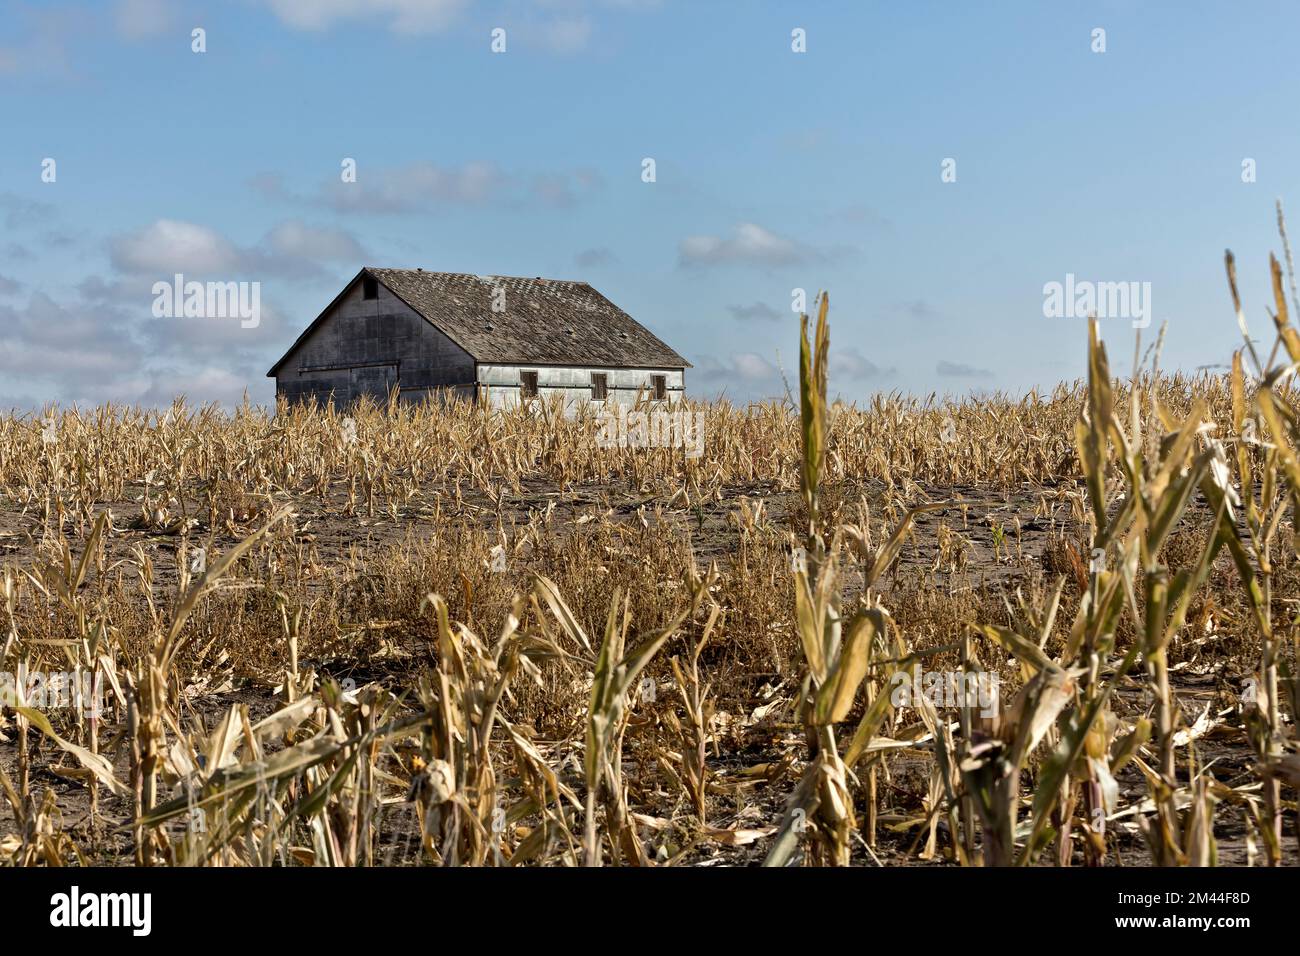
x=1160, y=478
x=822, y=804
x=1066, y=700
x=837, y=657
x=1268, y=459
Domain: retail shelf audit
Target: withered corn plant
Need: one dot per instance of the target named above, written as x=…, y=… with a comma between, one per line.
x=693, y=728
x=456, y=789
x=836, y=656
x=613, y=682
x=1267, y=431
x=1066, y=700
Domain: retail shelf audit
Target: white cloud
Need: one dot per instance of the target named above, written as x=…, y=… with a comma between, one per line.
x=105, y=346
x=78, y=345
x=202, y=385
x=413, y=187
x=739, y=377
x=752, y=366
x=749, y=244
x=167, y=246
x=409, y=17
x=294, y=238
x=292, y=249
x=562, y=27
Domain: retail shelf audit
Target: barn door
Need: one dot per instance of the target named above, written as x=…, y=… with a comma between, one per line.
x=374, y=380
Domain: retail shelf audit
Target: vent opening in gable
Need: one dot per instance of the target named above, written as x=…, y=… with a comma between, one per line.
x=369, y=287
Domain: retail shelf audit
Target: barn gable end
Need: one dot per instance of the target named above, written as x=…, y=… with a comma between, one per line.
x=362, y=346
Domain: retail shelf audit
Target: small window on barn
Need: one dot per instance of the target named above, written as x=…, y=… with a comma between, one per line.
x=659, y=386
x=369, y=288
x=599, y=386
x=528, y=384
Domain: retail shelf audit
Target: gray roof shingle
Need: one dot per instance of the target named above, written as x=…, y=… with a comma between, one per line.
x=547, y=321
x=544, y=321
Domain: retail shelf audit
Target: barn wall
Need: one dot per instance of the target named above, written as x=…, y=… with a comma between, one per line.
x=364, y=346
x=500, y=383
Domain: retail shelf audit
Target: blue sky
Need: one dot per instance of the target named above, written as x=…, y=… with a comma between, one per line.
x=775, y=170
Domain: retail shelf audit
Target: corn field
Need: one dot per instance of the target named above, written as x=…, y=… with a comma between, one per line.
x=1051, y=630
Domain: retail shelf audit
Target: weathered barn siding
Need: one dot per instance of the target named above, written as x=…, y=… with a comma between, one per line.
x=499, y=384
x=367, y=346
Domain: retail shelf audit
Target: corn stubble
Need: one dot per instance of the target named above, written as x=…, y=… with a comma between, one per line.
x=647, y=700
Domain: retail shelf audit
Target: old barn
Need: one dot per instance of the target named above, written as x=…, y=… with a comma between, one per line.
x=496, y=339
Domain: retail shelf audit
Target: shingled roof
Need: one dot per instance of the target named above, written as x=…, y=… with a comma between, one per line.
x=545, y=321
